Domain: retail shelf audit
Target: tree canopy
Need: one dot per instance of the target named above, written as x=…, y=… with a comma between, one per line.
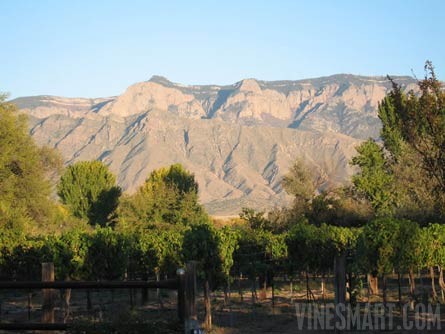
x=406, y=176
x=25, y=168
x=89, y=189
x=169, y=195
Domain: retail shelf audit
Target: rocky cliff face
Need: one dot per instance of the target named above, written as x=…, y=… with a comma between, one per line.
x=239, y=140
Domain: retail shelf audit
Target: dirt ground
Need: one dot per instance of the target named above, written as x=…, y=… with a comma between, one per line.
x=232, y=316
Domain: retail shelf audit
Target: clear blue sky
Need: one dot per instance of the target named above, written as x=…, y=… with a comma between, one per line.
x=98, y=48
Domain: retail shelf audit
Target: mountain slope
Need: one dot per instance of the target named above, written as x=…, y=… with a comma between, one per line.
x=239, y=140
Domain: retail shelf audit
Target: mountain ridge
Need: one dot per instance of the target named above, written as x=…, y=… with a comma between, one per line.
x=238, y=139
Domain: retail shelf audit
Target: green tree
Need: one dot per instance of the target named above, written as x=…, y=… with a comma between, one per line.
x=24, y=169
x=375, y=179
x=202, y=244
x=406, y=177
x=376, y=248
x=106, y=257
x=255, y=220
x=89, y=189
x=169, y=195
x=299, y=182
x=414, y=134
x=408, y=253
x=339, y=207
x=419, y=120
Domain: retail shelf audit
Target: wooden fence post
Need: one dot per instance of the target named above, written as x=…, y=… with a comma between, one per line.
x=191, y=314
x=340, y=279
x=48, y=294
x=340, y=287
x=181, y=294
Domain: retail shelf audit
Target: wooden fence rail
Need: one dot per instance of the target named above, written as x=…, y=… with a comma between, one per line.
x=171, y=284
x=185, y=284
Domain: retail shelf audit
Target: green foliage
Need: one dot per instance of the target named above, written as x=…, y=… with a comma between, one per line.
x=408, y=178
x=301, y=184
x=339, y=207
x=313, y=248
x=255, y=220
x=176, y=176
x=202, y=244
x=69, y=252
x=21, y=256
x=432, y=245
x=250, y=254
x=107, y=255
x=408, y=250
x=169, y=195
x=89, y=189
x=24, y=169
x=228, y=244
x=375, y=179
x=157, y=250
x=419, y=120
x=377, y=245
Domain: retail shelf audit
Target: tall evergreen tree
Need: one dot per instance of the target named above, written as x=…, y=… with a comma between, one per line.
x=89, y=189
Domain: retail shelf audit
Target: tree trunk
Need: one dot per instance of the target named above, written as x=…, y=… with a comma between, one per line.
x=66, y=297
x=441, y=283
x=307, y=287
x=352, y=297
x=240, y=289
x=433, y=284
x=373, y=283
x=384, y=291
x=158, y=291
x=273, y=292
x=226, y=295
x=323, y=293
x=229, y=288
x=253, y=290
x=208, y=307
x=412, y=288
x=412, y=282
x=263, y=284
x=291, y=288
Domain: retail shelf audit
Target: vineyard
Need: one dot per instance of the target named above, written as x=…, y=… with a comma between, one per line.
x=243, y=262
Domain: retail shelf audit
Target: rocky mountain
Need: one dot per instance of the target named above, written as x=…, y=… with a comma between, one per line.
x=239, y=139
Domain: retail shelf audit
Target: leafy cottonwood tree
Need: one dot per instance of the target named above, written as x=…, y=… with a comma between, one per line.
x=339, y=207
x=89, y=189
x=407, y=176
x=414, y=134
x=376, y=248
x=300, y=183
x=375, y=179
x=169, y=195
x=24, y=169
x=332, y=206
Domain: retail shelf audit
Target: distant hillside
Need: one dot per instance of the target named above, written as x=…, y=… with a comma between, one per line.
x=239, y=140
